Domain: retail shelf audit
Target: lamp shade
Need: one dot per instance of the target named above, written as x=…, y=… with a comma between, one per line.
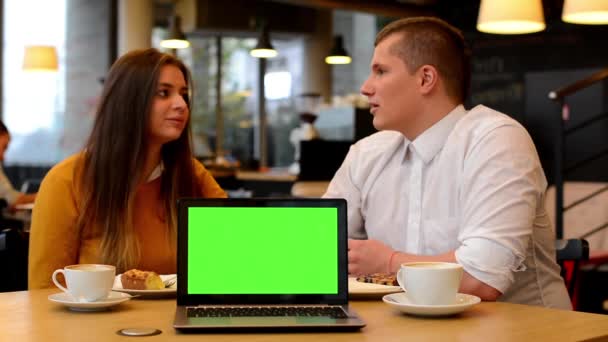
x=337, y=54
x=176, y=39
x=40, y=58
x=264, y=48
x=510, y=16
x=589, y=12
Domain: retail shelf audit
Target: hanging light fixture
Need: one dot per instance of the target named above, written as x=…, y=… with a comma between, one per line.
x=510, y=16
x=176, y=39
x=589, y=12
x=337, y=54
x=264, y=48
x=40, y=58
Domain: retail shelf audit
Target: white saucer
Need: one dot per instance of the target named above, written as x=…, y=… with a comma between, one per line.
x=402, y=303
x=115, y=298
x=166, y=292
x=357, y=289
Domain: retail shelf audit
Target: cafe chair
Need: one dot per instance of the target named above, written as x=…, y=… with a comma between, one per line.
x=14, y=246
x=571, y=251
x=30, y=185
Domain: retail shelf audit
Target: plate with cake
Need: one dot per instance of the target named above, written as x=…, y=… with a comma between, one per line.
x=372, y=286
x=146, y=283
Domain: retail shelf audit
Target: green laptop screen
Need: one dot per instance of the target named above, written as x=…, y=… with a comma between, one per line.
x=262, y=250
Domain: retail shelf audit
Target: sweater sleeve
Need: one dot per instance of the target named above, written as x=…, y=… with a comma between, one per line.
x=54, y=237
x=210, y=188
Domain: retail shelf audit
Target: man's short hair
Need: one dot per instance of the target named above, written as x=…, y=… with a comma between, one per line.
x=432, y=41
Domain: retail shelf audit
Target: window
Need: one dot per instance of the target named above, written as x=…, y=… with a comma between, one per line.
x=50, y=115
x=32, y=102
x=239, y=97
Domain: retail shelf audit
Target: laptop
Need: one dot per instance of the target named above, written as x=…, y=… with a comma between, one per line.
x=263, y=263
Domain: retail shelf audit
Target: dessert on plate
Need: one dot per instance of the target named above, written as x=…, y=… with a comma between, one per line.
x=389, y=279
x=141, y=280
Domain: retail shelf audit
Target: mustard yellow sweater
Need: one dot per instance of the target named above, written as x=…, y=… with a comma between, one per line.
x=55, y=241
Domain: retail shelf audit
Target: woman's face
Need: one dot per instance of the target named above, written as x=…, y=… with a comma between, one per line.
x=169, y=108
x=5, y=139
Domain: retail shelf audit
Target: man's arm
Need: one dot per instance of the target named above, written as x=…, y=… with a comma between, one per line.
x=468, y=284
x=387, y=260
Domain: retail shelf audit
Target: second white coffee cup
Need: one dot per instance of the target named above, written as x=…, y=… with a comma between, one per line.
x=430, y=283
x=87, y=282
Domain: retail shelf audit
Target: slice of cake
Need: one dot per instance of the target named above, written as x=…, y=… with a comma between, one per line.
x=389, y=279
x=141, y=280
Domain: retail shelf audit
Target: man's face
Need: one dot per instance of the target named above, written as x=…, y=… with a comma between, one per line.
x=5, y=139
x=391, y=89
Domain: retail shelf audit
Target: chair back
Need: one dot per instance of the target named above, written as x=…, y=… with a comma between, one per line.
x=571, y=251
x=30, y=185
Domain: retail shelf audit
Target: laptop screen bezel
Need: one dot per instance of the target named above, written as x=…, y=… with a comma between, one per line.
x=183, y=298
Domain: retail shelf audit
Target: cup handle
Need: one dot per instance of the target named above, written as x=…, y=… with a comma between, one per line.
x=54, y=278
x=399, y=279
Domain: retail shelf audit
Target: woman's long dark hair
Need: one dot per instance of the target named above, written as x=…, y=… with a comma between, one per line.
x=115, y=154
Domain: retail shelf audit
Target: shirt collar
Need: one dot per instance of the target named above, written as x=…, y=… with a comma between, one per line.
x=158, y=170
x=431, y=141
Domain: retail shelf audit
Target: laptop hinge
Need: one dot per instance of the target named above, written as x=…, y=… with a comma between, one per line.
x=259, y=305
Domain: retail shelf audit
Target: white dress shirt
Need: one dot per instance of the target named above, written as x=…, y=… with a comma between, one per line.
x=473, y=184
x=6, y=188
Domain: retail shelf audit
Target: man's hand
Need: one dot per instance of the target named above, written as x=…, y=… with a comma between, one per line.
x=367, y=256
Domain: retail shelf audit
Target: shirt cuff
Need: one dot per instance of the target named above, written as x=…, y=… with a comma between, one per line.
x=490, y=262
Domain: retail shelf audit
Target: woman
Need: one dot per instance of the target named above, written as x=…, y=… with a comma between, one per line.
x=115, y=202
x=7, y=192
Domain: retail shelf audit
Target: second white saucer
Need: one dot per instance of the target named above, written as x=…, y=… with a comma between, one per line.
x=401, y=302
x=114, y=298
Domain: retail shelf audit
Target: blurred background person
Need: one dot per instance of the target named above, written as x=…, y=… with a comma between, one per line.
x=7, y=191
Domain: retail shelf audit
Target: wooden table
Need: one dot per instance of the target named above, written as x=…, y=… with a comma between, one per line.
x=30, y=316
x=272, y=183
x=272, y=175
x=309, y=189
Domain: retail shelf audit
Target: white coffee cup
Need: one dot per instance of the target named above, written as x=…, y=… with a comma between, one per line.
x=430, y=283
x=87, y=282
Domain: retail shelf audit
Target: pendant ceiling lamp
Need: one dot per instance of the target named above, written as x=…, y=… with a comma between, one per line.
x=176, y=39
x=40, y=58
x=510, y=16
x=264, y=48
x=588, y=12
x=337, y=54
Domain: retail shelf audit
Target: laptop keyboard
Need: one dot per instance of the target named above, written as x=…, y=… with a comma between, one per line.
x=267, y=311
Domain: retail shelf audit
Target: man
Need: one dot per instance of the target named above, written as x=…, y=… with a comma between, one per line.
x=439, y=183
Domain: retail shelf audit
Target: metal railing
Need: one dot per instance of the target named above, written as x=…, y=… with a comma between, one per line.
x=559, y=96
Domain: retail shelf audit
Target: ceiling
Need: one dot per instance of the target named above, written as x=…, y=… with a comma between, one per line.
x=461, y=13
x=390, y=8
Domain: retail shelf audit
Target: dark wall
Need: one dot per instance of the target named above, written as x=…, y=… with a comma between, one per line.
x=514, y=74
x=33, y=175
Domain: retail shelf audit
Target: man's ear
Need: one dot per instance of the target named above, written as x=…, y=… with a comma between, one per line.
x=429, y=78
